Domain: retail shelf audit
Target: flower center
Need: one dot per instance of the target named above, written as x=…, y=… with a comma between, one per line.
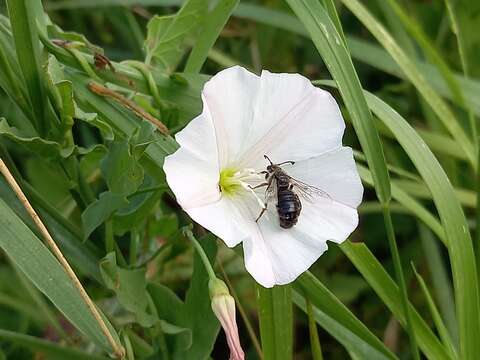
x=234, y=182
x=230, y=183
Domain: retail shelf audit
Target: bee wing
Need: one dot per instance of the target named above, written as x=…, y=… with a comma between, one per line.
x=308, y=192
x=271, y=191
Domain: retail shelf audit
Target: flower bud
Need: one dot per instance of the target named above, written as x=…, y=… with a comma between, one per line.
x=223, y=306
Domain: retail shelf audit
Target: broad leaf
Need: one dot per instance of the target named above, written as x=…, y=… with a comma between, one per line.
x=165, y=43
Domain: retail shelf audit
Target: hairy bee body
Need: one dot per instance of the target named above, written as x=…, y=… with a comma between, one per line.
x=287, y=191
x=288, y=208
x=288, y=202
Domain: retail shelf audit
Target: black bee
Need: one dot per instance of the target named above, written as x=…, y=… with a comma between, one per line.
x=287, y=190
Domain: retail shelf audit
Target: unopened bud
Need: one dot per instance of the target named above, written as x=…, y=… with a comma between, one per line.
x=223, y=306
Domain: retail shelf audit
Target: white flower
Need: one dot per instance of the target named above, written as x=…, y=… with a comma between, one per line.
x=221, y=152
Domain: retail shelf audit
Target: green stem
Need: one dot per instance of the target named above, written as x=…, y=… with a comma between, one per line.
x=109, y=238
x=128, y=347
x=400, y=279
x=312, y=327
x=201, y=252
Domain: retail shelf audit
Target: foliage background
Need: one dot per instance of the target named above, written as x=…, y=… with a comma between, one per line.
x=92, y=168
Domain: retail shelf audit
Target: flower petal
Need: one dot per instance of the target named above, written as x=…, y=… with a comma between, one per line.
x=223, y=218
x=334, y=172
x=327, y=219
x=231, y=96
x=276, y=256
x=293, y=121
x=192, y=171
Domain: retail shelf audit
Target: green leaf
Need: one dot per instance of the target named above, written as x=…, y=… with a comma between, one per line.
x=170, y=308
x=215, y=24
x=195, y=313
x=130, y=286
x=121, y=169
x=198, y=314
x=36, y=145
x=335, y=55
x=141, y=205
x=23, y=18
x=165, y=43
x=50, y=349
x=42, y=268
x=276, y=321
x=143, y=136
x=337, y=319
x=101, y=210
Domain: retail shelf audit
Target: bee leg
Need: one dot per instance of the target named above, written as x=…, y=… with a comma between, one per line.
x=259, y=185
x=261, y=213
x=290, y=187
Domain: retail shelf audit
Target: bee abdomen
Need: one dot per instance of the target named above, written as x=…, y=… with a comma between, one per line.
x=288, y=208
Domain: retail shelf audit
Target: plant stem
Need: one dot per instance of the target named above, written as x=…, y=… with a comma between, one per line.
x=400, y=279
x=201, y=252
x=312, y=327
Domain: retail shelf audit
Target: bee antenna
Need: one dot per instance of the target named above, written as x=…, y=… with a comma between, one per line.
x=266, y=157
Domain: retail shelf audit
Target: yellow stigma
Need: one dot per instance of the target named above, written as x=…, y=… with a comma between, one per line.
x=229, y=181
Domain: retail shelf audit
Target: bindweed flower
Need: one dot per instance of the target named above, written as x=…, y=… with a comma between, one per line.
x=223, y=306
x=221, y=157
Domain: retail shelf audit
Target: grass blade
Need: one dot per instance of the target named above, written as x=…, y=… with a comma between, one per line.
x=335, y=55
x=440, y=108
x=52, y=350
x=365, y=52
x=313, y=332
x=386, y=289
x=216, y=22
x=453, y=219
x=23, y=17
x=332, y=48
x=337, y=319
x=442, y=330
x=41, y=267
x=441, y=281
x=276, y=322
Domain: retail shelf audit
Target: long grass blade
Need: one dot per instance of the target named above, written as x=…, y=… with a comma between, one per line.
x=276, y=322
x=217, y=20
x=337, y=319
x=23, y=20
x=441, y=109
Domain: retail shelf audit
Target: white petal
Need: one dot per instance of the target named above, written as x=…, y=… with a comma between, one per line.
x=231, y=96
x=293, y=121
x=327, y=219
x=223, y=218
x=334, y=172
x=276, y=256
x=192, y=171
